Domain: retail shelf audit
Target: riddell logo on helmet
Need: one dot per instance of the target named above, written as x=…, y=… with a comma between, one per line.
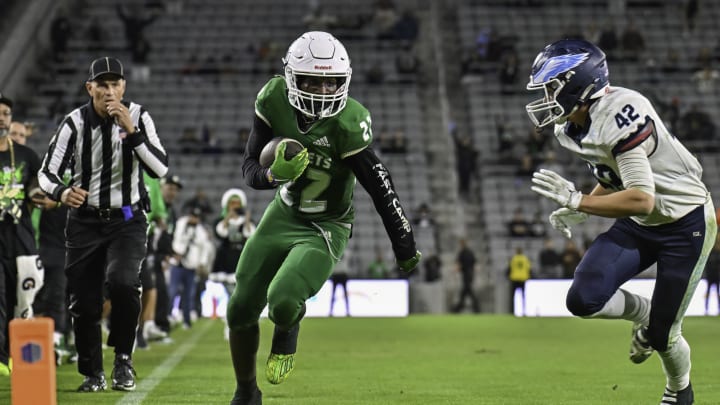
x=323, y=67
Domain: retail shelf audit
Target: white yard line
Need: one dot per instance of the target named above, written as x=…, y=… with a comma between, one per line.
x=163, y=370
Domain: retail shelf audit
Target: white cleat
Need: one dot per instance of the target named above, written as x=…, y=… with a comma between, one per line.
x=640, y=349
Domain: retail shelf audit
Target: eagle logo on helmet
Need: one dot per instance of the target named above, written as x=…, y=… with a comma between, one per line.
x=558, y=64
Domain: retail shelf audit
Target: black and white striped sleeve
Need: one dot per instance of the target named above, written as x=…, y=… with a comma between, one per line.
x=146, y=144
x=57, y=159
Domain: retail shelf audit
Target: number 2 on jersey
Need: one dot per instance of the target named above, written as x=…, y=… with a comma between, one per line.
x=320, y=181
x=367, y=131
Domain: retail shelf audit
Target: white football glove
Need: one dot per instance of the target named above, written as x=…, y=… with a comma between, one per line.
x=563, y=219
x=553, y=186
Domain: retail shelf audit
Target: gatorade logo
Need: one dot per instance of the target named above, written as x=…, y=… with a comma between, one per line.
x=31, y=352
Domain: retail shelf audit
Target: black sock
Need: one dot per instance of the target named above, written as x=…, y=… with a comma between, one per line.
x=285, y=341
x=243, y=349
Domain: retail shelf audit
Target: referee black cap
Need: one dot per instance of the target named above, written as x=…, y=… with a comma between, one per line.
x=106, y=66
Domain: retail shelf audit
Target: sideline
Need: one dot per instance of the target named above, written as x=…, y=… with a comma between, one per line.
x=164, y=369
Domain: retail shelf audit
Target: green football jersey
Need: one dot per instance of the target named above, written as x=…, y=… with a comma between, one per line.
x=324, y=192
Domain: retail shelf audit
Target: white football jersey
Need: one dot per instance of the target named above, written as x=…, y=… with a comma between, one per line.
x=618, y=123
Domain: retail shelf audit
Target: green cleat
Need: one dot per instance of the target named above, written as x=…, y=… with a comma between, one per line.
x=278, y=367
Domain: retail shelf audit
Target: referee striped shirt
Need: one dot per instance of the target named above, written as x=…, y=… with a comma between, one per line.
x=102, y=158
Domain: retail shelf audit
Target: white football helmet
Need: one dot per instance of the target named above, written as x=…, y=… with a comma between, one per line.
x=318, y=54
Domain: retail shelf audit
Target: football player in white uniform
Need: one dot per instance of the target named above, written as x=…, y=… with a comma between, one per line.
x=647, y=180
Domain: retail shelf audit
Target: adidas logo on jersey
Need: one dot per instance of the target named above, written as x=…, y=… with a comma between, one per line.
x=322, y=142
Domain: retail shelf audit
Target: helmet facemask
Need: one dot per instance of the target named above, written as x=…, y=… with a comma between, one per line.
x=546, y=110
x=317, y=105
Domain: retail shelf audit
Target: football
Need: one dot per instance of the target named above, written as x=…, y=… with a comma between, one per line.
x=267, y=155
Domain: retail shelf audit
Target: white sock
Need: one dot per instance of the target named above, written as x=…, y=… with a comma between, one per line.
x=625, y=305
x=676, y=364
x=637, y=308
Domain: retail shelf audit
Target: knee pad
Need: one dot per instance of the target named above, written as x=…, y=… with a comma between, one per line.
x=240, y=314
x=284, y=312
x=583, y=301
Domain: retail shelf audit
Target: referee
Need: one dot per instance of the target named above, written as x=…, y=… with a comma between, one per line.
x=107, y=143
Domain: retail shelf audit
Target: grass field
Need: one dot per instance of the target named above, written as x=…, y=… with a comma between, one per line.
x=417, y=360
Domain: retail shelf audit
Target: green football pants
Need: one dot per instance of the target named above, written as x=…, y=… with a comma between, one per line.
x=286, y=261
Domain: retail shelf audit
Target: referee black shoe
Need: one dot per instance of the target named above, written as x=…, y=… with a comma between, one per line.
x=254, y=398
x=123, y=374
x=93, y=384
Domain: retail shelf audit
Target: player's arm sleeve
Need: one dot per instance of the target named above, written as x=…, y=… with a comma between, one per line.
x=57, y=159
x=255, y=175
x=632, y=154
x=375, y=178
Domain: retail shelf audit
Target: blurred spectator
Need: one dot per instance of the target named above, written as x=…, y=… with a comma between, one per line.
x=537, y=142
x=633, y=42
x=378, y=268
x=696, y=124
x=705, y=79
x=406, y=62
x=317, y=19
x=189, y=142
x=96, y=35
x=241, y=141
x=60, y=34
x=549, y=260
x=211, y=143
x=465, y=265
x=488, y=48
x=508, y=71
x=423, y=216
x=29, y=129
x=608, y=40
x=18, y=132
x=433, y=267
x=466, y=162
x=193, y=252
x=504, y=138
x=140, y=69
x=384, y=18
x=519, y=226
x=671, y=63
x=199, y=200
x=406, y=27
x=339, y=278
x=518, y=273
x=135, y=22
x=571, y=257
x=538, y=226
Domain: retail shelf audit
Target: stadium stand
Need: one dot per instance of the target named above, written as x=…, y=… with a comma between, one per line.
x=209, y=59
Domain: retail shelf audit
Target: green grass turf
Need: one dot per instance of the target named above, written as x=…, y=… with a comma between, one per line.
x=417, y=360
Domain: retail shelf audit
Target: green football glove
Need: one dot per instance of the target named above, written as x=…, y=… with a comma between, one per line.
x=409, y=265
x=285, y=170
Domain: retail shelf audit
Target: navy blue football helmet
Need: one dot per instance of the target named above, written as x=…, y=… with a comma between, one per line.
x=570, y=72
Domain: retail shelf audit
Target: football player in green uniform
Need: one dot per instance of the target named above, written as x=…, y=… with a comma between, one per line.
x=305, y=229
